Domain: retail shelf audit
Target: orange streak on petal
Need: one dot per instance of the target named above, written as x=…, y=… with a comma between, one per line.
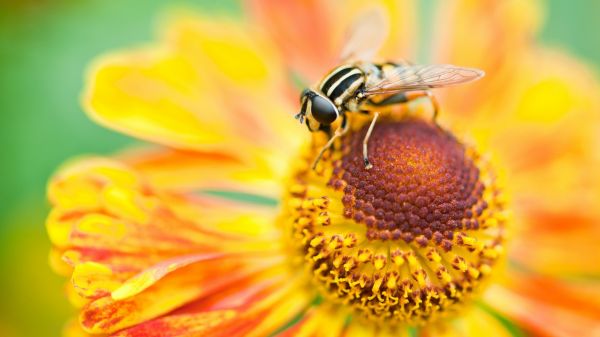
x=235, y=309
x=150, y=276
x=181, y=325
x=182, y=286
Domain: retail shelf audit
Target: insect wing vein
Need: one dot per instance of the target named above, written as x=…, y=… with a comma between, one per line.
x=423, y=77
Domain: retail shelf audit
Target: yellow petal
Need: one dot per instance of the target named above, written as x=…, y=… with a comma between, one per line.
x=150, y=276
x=93, y=279
x=131, y=226
x=73, y=329
x=323, y=320
x=473, y=321
x=193, y=170
x=192, y=92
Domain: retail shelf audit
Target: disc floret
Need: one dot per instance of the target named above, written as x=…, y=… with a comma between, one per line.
x=409, y=239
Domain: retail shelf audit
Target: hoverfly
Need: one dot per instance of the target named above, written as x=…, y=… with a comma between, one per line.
x=362, y=86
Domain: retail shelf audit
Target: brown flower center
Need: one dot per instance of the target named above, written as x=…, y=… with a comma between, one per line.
x=422, y=183
x=403, y=242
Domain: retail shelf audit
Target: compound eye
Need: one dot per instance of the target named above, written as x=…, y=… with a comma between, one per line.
x=323, y=110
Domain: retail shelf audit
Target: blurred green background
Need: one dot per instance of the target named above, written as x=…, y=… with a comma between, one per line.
x=44, y=48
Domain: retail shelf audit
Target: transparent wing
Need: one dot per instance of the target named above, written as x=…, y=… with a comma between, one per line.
x=365, y=36
x=423, y=77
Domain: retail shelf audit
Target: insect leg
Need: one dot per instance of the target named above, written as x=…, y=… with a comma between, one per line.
x=435, y=104
x=344, y=127
x=368, y=164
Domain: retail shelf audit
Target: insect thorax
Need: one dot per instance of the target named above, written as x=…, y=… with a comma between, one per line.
x=341, y=84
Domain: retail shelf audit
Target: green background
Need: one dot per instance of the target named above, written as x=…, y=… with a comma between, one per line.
x=44, y=48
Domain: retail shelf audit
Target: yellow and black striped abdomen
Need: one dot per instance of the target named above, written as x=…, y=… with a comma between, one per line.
x=341, y=83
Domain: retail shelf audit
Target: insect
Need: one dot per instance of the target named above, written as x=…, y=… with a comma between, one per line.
x=361, y=86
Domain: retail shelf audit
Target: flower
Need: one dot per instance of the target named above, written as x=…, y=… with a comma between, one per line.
x=183, y=238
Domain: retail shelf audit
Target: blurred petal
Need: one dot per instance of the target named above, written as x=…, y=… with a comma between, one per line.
x=311, y=39
x=192, y=170
x=490, y=35
x=74, y=329
x=247, y=78
x=189, y=93
x=558, y=243
x=359, y=329
x=304, y=38
x=400, y=43
x=155, y=94
x=321, y=321
x=473, y=321
x=546, y=308
x=485, y=34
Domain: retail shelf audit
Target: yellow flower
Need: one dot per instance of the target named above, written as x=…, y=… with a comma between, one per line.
x=222, y=229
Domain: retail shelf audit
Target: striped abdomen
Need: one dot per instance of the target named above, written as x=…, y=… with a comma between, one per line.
x=341, y=83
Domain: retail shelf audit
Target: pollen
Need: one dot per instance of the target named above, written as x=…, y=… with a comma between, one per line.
x=405, y=242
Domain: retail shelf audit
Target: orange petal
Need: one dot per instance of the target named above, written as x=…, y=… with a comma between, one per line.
x=181, y=325
x=558, y=243
x=485, y=34
x=255, y=310
x=490, y=35
x=124, y=226
x=304, y=37
x=311, y=39
x=400, y=43
x=179, y=287
x=548, y=308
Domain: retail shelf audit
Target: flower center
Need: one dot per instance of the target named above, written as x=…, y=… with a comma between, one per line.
x=423, y=183
x=403, y=242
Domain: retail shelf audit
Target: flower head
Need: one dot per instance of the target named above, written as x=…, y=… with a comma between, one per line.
x=182, y=239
